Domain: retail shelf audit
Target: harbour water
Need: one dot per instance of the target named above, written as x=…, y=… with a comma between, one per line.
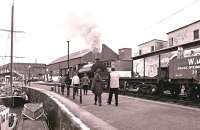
x=12, y=106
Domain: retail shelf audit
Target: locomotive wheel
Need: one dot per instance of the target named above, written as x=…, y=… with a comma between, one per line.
x=172, y=92
x=175, y=90
x=160, y=91
x=193, y=93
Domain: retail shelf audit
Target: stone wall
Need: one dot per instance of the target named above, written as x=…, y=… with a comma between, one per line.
x=63, y=114
x=58, y=119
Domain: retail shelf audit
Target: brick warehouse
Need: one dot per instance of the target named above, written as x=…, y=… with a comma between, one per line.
x=83, y=57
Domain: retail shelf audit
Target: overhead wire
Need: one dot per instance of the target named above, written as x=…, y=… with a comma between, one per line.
x=172, y=14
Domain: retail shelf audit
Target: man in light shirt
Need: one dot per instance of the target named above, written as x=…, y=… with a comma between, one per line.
x=114, y=86
x=75, y=83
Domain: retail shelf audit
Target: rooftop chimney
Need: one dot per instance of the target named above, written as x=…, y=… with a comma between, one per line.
x=125, y=54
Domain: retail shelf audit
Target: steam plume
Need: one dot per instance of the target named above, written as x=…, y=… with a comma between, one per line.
x=86, y=29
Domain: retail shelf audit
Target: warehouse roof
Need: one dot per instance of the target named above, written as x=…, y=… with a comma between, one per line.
x=183, y=27
x=151, y=41
x=169, y=49
x=72, y=56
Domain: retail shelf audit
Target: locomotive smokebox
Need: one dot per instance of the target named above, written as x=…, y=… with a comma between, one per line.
x=99, y=65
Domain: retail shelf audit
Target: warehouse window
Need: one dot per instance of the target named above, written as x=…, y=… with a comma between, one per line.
x=196, y=34
x=152, y=49
x=140, y=52
x=171, y=41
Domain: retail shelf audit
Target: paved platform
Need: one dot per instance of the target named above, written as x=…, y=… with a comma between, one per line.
x=139, y=114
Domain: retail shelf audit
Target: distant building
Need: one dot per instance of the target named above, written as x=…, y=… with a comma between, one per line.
x=23, y=71
x=124, y=63
x=186, y=34
x=184, y=39
x=78, y=59
x=152, y=46
x=125, y=54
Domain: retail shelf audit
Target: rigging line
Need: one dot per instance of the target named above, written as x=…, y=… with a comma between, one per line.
x=173, y=14
x=6, y=47
x=13, y=56
x=6, y=30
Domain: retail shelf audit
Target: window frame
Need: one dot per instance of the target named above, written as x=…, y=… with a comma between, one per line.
x=140, y=52
x=152, y=48
x=196, y=34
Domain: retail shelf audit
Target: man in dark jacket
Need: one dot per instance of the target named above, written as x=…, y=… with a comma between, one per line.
x=85, y=81
x=62, y=84
x=97, y=87
x=67, y=82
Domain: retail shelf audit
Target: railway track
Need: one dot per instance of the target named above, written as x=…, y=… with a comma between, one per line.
x=164, y=98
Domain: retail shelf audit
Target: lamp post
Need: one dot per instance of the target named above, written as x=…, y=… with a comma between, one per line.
x=68, y=56
x=68, y=85
x=29, y=74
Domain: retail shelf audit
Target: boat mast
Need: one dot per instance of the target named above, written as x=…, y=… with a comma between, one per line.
x=11, y=51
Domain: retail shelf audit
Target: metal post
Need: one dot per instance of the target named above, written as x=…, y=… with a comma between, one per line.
x=144, y=67
x=68, y=85
x=29, y=76
x=68, y=56
x=55, y=87
x=74, y=94
x=47, y=72
x=80, y=95
x=159, y=67
x=59, y=88
x=132, y=67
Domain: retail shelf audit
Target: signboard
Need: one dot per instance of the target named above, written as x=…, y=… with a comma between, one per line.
x=185, y=68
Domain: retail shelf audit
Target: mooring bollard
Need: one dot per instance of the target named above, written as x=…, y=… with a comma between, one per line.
x=80, y=95
x=55, y=87
x=68, y=90
x=74, y=93
x=52, y=88
x=58, y=88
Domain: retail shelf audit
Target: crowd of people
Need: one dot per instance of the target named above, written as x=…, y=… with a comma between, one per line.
x=95, y=85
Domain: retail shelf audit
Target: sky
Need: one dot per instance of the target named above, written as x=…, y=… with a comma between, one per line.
x=49, y=24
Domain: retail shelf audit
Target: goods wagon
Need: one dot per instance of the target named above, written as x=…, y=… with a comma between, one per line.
x=180, y=77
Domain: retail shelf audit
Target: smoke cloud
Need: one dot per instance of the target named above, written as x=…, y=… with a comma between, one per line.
x=86, y=29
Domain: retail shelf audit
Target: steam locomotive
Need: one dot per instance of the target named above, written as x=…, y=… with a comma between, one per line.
x=90, y=69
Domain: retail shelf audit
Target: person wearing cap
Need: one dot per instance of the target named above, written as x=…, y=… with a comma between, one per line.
x=62, y=83
x=85, y=83
x=114, y=86
x=97, y=87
